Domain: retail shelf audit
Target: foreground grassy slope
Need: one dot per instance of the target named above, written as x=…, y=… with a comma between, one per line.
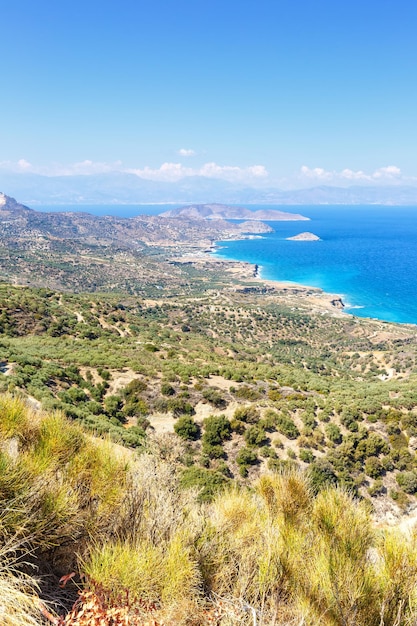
x=142, y=549
x=247, y=381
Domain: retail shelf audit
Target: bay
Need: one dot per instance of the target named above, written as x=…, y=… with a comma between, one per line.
x=367, y=254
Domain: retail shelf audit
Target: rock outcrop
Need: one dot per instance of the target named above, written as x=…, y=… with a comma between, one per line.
x=304, y=237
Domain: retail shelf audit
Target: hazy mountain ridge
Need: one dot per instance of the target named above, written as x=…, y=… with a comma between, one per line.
x=124, y=188
x=222, y=211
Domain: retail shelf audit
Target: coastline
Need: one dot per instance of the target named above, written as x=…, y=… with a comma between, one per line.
x=248, y=279
x=318, y=298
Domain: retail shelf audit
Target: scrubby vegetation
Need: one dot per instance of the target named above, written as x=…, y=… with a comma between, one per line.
x=126, y=530
x=335, y=392
x=246, y=448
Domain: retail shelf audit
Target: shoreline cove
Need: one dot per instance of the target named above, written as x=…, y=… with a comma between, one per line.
x=323, y=299
x=314, y=298
x=367, y=254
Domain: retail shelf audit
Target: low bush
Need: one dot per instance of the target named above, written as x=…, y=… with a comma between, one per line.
x=207, y=482
x=407, y=481
x=333, y=433
x=214, y=397
x=216, y=429
x=246, y=456
x=248, y=414
x=186, y=428
x=286, y=426
x=255, y=436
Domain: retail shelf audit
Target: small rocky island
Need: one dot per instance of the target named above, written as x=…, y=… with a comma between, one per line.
x=304, y=237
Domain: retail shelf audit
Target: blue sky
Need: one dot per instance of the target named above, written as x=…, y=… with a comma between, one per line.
x=284, y=92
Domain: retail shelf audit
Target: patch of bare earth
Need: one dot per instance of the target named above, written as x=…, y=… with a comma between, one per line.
x=119, y=380
x=162, y=422
x=221, y=383
x=204, y=409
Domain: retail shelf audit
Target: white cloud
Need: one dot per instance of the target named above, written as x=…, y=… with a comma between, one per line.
x=184, y=152
x=88, y=167
x=169, y=172
x=24, y=165
x=317, y=173
x=16, y=166
x=85, y=167
x=389, y=173
x=174, y=171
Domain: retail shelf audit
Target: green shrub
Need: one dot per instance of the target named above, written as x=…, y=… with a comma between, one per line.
x=216, y=429
x=321, y=474
x=407, y=481
x=150, y=347
x=247, y=393
x=237, y=426
x=267, y=452
x=186, y=428
x=333, y=433
x=377, y=488
x=274, y=395
x=136, y=407
x=246, y=456
x=209, y=482
x=373, y=467
x=214, y=397
x=255, y=436
x=306, y=455
x=213, y=451
x=249, y=414
x=136, y=386
x=286, y=426
x=180, y=406
x=167, y=389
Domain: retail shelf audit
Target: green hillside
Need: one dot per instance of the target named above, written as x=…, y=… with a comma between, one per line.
x=246, y=382
x=223, y=454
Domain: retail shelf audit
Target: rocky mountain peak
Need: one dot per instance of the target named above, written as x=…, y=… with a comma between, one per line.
x=8, y=204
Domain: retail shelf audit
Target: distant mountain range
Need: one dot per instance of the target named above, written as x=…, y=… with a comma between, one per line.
x=123, y=188
x=222, y=211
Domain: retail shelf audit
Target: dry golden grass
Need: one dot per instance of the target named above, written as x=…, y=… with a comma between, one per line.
x=18, y=591
x=276, y=553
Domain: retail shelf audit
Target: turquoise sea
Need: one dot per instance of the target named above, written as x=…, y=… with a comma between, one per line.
x=367, y=254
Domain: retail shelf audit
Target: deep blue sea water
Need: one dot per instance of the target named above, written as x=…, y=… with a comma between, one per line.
x=367, y=254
